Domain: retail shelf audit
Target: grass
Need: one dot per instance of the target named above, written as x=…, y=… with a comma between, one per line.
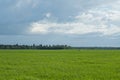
x=59, y=64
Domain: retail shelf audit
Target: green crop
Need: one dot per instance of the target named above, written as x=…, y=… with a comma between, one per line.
x=59, y=64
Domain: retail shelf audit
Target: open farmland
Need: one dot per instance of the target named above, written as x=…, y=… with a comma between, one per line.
x=59, y=64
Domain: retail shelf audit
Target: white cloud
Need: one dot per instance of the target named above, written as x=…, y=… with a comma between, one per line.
x=100, y=20
x=72, y=28
x=48, y=15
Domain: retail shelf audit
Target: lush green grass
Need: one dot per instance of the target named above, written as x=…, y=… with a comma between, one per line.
x=59, y=65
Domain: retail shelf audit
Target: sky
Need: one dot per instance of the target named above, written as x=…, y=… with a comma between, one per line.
x=71, y=22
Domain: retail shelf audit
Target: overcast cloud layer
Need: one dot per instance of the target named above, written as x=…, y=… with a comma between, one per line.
x=72, y=22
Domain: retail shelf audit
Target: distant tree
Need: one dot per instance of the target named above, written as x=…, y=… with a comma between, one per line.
x=17, y=46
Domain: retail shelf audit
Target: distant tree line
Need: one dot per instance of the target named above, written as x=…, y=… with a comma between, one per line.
x=17, y=46
x=94, y=48
x=40, y=46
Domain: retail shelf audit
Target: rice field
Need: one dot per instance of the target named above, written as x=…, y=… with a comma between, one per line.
x=59, y=64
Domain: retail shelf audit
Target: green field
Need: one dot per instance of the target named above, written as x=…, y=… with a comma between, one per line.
x=59, y=64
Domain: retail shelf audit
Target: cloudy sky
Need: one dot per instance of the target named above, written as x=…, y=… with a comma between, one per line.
x=71, y=22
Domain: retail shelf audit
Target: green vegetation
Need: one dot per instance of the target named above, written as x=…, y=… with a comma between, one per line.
x=40, y=46
x=59, y=64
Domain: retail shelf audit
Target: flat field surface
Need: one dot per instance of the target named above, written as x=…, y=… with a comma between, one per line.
x=59, y=64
